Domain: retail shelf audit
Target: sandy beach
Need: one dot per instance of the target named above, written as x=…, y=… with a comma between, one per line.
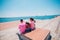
x=8, y=30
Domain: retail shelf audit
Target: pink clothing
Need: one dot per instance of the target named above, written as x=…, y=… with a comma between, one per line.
x=32, y=24
x=22, y=27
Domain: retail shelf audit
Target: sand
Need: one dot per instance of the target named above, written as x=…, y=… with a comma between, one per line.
x=8, y=30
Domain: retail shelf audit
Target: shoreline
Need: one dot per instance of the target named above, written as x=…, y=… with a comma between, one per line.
x=9, y=29
x=16, y=23
x=12, y=24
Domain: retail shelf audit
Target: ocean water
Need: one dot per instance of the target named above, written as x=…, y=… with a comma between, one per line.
x=35, y=17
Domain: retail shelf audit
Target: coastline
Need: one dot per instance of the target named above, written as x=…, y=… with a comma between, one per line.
x=9, y=29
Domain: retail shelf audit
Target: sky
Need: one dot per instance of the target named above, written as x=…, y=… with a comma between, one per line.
x=18, y=8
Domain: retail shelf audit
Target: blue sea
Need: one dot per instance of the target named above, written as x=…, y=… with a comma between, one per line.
x=35, y=17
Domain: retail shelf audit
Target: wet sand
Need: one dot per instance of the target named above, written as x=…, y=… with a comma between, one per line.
x=8, y=30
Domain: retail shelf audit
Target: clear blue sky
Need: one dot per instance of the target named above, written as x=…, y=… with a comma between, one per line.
x=13, y=8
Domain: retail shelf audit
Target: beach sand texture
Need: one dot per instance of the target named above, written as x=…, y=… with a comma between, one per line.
x=8, y=30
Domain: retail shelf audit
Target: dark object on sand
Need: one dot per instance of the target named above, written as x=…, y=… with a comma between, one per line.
x=22, y=37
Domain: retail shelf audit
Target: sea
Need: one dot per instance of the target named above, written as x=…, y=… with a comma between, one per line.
x=9, y=19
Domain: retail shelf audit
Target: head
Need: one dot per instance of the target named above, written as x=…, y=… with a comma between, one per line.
x=31, y=19
x=27, y=24
x=21, y=20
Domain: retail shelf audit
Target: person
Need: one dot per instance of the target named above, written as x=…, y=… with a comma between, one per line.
x=28, y=28
x=22, y=26
x=32, y=23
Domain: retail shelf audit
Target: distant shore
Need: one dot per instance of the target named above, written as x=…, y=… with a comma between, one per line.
x=10, y=19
